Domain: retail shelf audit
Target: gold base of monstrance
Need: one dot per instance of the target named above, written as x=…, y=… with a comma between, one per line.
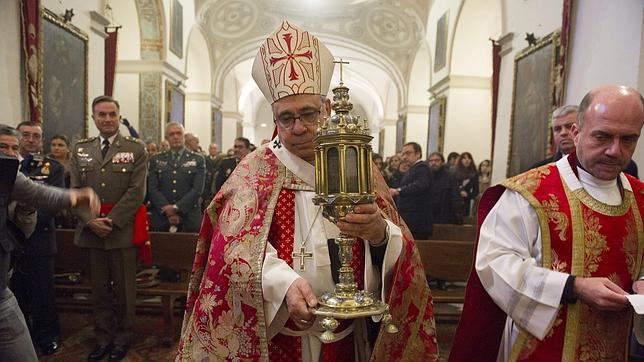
x=343, y=180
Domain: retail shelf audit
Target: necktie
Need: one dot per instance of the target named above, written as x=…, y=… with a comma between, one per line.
x=106, y=147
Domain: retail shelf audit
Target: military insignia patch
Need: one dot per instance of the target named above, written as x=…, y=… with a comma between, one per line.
x=191, y=163
x=123, y=157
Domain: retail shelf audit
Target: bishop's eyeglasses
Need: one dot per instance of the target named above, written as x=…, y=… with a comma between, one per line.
x=309, y=118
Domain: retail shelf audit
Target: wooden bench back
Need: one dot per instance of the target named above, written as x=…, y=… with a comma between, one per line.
x=447, y=260
x=454, y=232
x=174, y=250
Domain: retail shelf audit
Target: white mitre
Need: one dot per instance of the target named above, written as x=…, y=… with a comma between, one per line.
x=292, y=61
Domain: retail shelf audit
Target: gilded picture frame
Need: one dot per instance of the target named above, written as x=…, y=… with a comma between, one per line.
x=401, y=129
x=436, y=128
x=64, y=75
x=176, y=28
x=175, y=103
x=533, y=100
x=217, y=126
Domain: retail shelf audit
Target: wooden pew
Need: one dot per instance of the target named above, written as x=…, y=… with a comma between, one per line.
x=448, y=260
x=170, y=250
x=454, y=232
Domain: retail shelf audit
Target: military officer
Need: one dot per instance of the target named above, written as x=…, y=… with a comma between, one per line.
x=241, y=148
x=32, y=281
x=115, y=167
x=175, y=184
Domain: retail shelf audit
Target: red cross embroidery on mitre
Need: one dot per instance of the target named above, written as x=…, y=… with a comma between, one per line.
x=291, y=55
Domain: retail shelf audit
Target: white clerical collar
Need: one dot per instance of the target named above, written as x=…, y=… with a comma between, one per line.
x=575, y=182
x=298, y=166
x=604, y=191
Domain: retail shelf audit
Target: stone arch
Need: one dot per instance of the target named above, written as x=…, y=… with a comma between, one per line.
x=470, y=71
x=199, y=103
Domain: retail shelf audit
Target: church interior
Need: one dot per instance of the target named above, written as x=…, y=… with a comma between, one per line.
x=477, y=76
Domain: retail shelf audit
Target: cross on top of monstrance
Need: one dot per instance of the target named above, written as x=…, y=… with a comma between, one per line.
x=340, y=62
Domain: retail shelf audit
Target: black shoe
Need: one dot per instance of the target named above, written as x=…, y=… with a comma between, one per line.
x=99, y=352
x=49, y=348
x=118, y=353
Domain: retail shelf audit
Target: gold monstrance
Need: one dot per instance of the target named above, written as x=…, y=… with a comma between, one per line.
x=343, y=180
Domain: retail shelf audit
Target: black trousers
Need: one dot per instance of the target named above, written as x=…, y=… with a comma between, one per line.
x=32, y=282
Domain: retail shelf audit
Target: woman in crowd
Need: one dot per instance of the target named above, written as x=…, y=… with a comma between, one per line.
x=391, y=173
x=485, y=173
x=467, y=180
x=60, y=150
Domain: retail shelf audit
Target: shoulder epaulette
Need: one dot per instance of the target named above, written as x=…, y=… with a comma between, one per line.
x=85, y=140
x=134, y=139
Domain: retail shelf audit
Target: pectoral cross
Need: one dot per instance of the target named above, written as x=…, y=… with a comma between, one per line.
x=340, y=62
x=302, y=255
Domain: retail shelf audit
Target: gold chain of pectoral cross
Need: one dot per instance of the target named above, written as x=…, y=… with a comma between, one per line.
x=303, y=254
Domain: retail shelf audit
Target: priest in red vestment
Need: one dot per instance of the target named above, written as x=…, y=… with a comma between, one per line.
x=265, y=250
x=560, y=248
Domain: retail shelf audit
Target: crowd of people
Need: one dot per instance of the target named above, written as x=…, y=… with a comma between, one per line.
x=564, y=232
x=453, y=186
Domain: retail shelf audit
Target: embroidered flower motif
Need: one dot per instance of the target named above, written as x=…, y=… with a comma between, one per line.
x=557, y=217
x=531, y=180
x=557, y=264
x=594, y=241
x=208, y=302
x=629, y=247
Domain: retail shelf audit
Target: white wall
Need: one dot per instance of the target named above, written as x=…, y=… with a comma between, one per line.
x=125, y=14
x=198, y=99
x=417, y=129
x=521, y=17
x=467, y=130
x=126, y=91
x=596, y=57
x=439, y=7
x=12, y=89
x=390, y=138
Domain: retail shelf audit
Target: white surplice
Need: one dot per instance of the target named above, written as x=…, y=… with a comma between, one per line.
x=277, y=276
x=508, y=258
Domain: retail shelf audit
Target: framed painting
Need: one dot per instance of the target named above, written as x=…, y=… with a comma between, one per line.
x=533, y=100
x=64, y=76
x=217, y=126
x=401, y=128
x=176, y=28
x=175, y=103
x=441, y=42
x=436, y=129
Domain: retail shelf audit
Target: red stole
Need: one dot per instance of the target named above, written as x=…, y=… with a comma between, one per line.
x=281, y=236
x=580, y=236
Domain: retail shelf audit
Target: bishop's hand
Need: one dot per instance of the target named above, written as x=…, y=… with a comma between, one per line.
x=300, y=302
x=365, y=222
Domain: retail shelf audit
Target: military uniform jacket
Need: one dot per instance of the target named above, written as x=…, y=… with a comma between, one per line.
x=179, y=182
x=47, y=171
x=118, y=179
